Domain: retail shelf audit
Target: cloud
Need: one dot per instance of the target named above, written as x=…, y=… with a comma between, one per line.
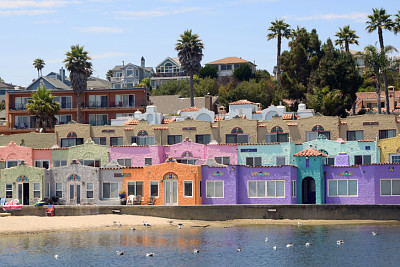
x=16, y=4
x=109, y=54
x=99, y=29
x=356, y=16
x=157, y=13
x=32, y=12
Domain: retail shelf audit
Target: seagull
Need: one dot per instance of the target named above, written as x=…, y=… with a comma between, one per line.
x=266, y=239
x=339, y=242
x=114, y=222
x=274, y=247
x=308, y=244
x=56, y=257
x=289, y=245
x=170, y=222
x=119, y=224
x=120, y=253
x=133, y=228
x=239, y=249
x=299, y=223
x=180, y=225
x=145, y=223
x=196, y=250
x=375, y=233
x=150, y=254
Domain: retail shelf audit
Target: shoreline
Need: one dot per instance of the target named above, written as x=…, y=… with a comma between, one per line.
x=13, y=225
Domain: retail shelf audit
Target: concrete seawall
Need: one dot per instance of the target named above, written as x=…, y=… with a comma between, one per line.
x=227, y=212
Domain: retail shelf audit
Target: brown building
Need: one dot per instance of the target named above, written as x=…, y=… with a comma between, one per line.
x=99, y=106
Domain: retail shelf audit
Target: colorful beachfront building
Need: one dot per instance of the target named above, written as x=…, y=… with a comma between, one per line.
x=169, y=183
x=389, y=149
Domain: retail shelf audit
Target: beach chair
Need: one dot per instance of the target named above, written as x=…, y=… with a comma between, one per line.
x=138, y=200
x=151, y=201
x=50, y=210
x=130, y=200
x=3, y=201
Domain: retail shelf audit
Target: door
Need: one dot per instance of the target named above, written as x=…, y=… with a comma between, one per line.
x=23, y=193
x=171, y=192
x=75, y=193
x=308, y=190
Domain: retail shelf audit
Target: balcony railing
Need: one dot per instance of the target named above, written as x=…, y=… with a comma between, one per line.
x=117, y=79
x=169, y=74
x=94, y=104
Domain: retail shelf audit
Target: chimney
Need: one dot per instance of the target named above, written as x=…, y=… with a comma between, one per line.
x=208, y=103
x=123, y=63
x=62, y=74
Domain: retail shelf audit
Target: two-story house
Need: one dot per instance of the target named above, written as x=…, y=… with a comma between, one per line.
x=168, y=69
x=129, y=75
x=226, y=66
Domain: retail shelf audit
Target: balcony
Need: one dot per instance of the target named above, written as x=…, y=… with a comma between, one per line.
x=18, y=107
x=94, y=104
x=117, y=79
x=169, y=74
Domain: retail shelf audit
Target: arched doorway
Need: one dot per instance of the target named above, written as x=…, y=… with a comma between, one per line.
x=308, y=190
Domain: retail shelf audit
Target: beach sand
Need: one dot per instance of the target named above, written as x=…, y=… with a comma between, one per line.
x=35, y=224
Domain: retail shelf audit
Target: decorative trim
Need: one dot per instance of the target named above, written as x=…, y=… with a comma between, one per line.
x=248, y=150
x=120, y=175
x=391, y=169
x=22, y=178
x=346, y=173
x=260, y=174
x=74, y=177
x=188, y=128
x=217, y=173
x=72, y=135
x=108, y=131
x=370, y=123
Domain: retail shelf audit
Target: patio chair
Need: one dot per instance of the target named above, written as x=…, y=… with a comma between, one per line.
x=130, y=200
x=151, y=201
x=138, y=200
x=50, y=210
x=2, y=201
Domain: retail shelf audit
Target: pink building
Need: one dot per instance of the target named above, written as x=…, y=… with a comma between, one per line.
x=184, y=152
x=42, y=157
x=13, y=154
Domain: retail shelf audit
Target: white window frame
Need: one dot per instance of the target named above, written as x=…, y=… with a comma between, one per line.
x=102, y=190
x=254, y=161
x=223, y=158
x=158, y=188
x=135, y=185
x=294, y=188
x=35, y=190
x=391, y=187
x=40, y=162
x=60, y=163
x=18, y=162
x=256, y=181
x=394, y=155
x=8, y=190
x=55, y=191
x=87, y=190
x=216, y=181
x=124, y=160
x=184, y=188
x=280, y=181
x=337, y=187
x=47, y=193
x=151, y=159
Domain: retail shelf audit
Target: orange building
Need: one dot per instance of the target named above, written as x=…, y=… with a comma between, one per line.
x=170, y=183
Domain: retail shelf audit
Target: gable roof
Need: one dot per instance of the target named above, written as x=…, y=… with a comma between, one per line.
x=173, y=60
x=229, y=60
x=309, y=152
x=171, y=104
x=97, y=83
x=242, y=102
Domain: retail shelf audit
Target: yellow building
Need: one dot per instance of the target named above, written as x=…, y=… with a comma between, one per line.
x=389, y=149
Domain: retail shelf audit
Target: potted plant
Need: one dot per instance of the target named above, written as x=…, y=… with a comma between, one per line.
x=122, y=194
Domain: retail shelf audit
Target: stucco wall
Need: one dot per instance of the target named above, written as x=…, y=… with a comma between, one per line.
x=389, y=146
x=15, y=152
x=33, y=139
x=89, y=150
x=137, y=154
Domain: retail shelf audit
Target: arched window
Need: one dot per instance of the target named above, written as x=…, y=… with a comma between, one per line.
x=142, y=133
x=318, y=128
x=170, y=176
x=74, y=177
x=236, y=130
x=72, y=135
x=276, y=129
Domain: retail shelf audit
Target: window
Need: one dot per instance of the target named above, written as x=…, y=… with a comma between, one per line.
x=367, y=147
x=237, y=66
x=63, y=119
x=294, y=188
x=253, y=161
x=47, y=194
x=125, y=101
x=237, y=137
x=116, y=141
x=387, y=134
x=90, y=162
x=223, y=67
x=110, y=190
x=174, y=139
x=223, y=160
x=362, y=159
x=65, y=101
x=42, y=164
x=355, y=135
x=12, y=163
x=390, y=187
x=9, y=191
x=188, y=188
x=394, y=158
x=23, y=122
x=100, y=140
x=187, y=161
x=280, y=161
x=98, y=101
x=135, y=188
x=154, y=188
x=215, y=189
x=229, y=67
x=330, y=161
x=59, y=163
x=89, y=190
x=275, y=189
x=143, y=140
x=124, y=162
x=256, y=188
x=148, y=161
x=203, y=138
x=68, y=142
x=36, y=190
x=314, y=135
x=59, y=190
x=342, y=188
x=98, y=119
x=277, y=137
x=200, y=189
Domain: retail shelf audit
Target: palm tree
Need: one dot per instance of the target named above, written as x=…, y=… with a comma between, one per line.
x=279, y=29
x=39, y=65
x=43, y=108
x=109, y=74
x=378, y=62
x=79, y=67
x=397, y=22
x=380, y=21
x=190, y=54
x=346, y=36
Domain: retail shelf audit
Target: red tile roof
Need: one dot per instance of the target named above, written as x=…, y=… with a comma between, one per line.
x=166, y=121
x=309, y=152
x=261, y=125
x=287, y=116
x=292, y=124
x=132, y=122
x=190, y=109
x=160, y=128
x=228, y=60
x=219, y=118
x=128, y=129
x=242, y=102
x=366, y=140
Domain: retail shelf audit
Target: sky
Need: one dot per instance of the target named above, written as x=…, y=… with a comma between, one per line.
x=113, y=31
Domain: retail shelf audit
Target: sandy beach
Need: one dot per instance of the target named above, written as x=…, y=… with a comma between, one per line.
x=35, y=224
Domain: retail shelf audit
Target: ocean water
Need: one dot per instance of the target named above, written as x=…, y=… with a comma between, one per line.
x=217, y=246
